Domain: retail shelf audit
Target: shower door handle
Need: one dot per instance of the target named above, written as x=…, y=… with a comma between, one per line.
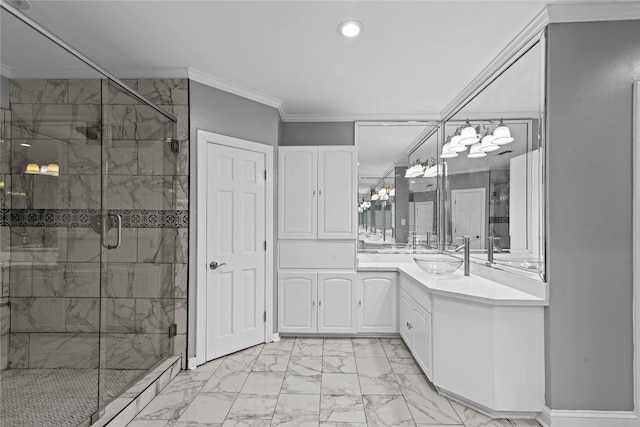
x=119, y=235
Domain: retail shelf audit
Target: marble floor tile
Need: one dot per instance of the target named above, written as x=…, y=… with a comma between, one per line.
x=524, y=423
x=373, y=366
x=208, y=408
x=151, y=423
x=246, y=423
x=174, y=399
x=387, y=411
x=305, y=366
x=368, y=349
x=379, y=384
x=338, y=347
x=308, y=347
x=328, y=424
x=405, y=366
x=473, y=418
x=342, y=409
x=339, y=364
x=284, y=346
x=340, y=385
x=396, y=349
x=226, y=382
x=271, y=363
x=425, y=404
x=301, y=384
x=263, y=384
x=211, y=365
x=297, y=407
x=254, y=407
x=301, y=421
x=251, y=351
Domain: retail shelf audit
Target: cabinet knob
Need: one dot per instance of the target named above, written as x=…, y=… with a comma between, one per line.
x=409, y=325
x=319, y=192
x=313, y=193
x=319, y=303
x=313, y=303
x=359, y=302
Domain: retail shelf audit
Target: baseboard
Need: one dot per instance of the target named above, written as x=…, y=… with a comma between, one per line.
x=192, y=363
x=563, y=418
x=275, y=337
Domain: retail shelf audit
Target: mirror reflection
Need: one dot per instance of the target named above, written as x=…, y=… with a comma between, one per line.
x=386, y=207
x=492, y=155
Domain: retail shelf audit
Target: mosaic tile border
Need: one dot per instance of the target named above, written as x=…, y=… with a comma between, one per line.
x=136, y=218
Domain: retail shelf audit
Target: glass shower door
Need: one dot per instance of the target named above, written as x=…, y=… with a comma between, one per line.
x=138, y=231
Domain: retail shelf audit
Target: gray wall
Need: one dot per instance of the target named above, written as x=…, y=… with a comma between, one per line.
x=224, y=113
x=317, y=133
x=588, y=325
x=4, y=93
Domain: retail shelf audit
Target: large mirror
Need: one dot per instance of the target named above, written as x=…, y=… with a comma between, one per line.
x=392, y=208
x=492, y=155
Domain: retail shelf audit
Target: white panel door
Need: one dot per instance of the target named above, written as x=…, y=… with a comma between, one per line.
x=377, y=302
x=421, y=328
x=468, y=216
x=297, y=297
x=404, y=317
x=297, y=193
x=337, y=197
x=337, y=303
x=235, y=241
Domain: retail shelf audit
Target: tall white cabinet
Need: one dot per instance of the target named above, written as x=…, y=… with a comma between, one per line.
x=317, y=230
x=317, y=196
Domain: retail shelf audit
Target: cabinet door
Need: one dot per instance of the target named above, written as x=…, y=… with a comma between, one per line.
x=405, y=309
x=297, y=293
x=297, y=193
x=421, y=322
x=337, y=303
x=337, y=196
x=377, y=302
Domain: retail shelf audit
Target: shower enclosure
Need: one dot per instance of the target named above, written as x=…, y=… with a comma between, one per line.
x=92, y=231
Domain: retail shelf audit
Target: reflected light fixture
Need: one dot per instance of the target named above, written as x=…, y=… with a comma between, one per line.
x=53, y=169
x=502, y=134
x=456, y=147
x=475, y=153
x=350, y=29
x=32, y=168
x=487, y=143
x=447, y=152
x=24, y=144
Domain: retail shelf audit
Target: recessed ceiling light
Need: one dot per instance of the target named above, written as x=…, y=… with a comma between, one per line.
x=19, y=4
x=350, y=28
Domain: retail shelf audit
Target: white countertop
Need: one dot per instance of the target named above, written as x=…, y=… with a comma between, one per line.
x=455, y=285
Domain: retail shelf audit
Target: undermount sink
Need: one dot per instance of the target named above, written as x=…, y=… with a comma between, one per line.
x=438, y=264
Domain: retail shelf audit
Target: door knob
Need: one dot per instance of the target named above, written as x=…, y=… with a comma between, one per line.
x=214, y=265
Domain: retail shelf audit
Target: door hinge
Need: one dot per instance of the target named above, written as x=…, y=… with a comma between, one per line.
x=265, y=245
x=265, y=316
x=265, y=174
x=173, y=330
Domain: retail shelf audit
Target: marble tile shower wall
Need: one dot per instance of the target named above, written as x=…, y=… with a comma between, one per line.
x=54, y=280
x=5, y=120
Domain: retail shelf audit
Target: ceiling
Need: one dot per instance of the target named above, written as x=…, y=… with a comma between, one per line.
x=411, y=60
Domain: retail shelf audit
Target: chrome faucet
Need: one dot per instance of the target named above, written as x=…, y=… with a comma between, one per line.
x=412, y=239
x=492, y=247
x=466, y=246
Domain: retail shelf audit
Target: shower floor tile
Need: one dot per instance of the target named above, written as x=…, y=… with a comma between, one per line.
x=56, y=397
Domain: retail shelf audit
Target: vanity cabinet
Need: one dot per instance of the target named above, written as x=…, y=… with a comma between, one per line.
x=377, y=302
x=317, y=196
x=414, y=317
x=322, y=302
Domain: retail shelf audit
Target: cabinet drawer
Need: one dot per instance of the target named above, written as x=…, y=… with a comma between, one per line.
x=422, y=297
x=405, y=283
x=315, y=254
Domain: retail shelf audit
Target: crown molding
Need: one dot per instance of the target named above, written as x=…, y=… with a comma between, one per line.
x=151, y=73
x=593, y=11
x=390, y=117
x=526, y=38
x=218, y=83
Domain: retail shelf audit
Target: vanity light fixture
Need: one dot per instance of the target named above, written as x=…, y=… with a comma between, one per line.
x=487, y=143
x=350, y=28
x=469, y=135
x=52, y=169
x=24, y=144
x=475, y=153
x=375, y=197
x=502, y=134
x=447, y=152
